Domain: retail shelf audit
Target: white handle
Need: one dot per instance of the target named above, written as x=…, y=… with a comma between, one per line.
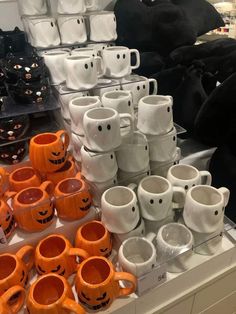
x=100, y=66
x=151, y=236
x=132, y=186
x=155, y=88
x=226, y=194
x=136, y=52
x=207, y=176
x=129, y=117
x=179, y=196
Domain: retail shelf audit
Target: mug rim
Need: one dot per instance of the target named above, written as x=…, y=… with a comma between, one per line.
x=153, y=138
x=46, y=239
x=39, y=201
x=78, y=58
x=15, y=172
x=125, y=94
x=58, y=186
x=101, y=109
x=55, y=53
x=158, y=98
x=94, y=222
x=16, y=264
x=93, y=99
x=186, y=167
x=35, y=138
x=205, y=187
x=116, y=48
x=122, y=188
x=154, y=177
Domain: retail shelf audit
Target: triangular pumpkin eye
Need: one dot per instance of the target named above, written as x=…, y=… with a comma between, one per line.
x=84, y=296
x=56, y=269
x=102, y=297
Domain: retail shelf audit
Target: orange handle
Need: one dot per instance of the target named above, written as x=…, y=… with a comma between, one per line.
x=8, y=194
x=79, y=252
x=128, y=277
x=72, y=306
x=48, y=187
x=64, y=138
x=17, y=291
x=23, y=253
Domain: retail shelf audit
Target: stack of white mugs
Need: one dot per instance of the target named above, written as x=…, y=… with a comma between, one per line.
x=76, y=22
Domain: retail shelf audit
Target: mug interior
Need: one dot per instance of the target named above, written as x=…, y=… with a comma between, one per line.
x=52, y=247
x=184, y=172
x=119, y=196
x=84, y=101
x=7, y=266
x=55, y=53
x=176, y=235
x=137, y=251
x=206, y=195
x=77, y=58
x=155, y=185
x=93, y=231
x=100, y=113
x=117, y=48
x=23, y=174
x=69, y=186
x=44, y=139
x=156, y=100
x=117, y=95
x=48, y=290
x=30, y=196
x=95, y=271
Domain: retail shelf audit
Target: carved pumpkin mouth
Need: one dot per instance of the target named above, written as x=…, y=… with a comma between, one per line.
x=10, y=227
x=86, y=207
x=58, y=161
x=45, y=220
x=108, y=254
x=62, y=273
x=95, y=307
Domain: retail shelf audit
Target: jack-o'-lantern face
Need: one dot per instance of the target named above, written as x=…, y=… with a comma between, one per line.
x=84, y=201
x=58, y=270
x=101, y=301
x=7, y=221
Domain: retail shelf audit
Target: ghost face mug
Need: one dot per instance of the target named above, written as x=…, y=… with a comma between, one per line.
x=72, y=6
x=117, y=61
x=29, y=7
x=121, y=101
x=72, y=29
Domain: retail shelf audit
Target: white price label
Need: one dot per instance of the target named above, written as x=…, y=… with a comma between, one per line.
x=151, y=280
x=3, y=239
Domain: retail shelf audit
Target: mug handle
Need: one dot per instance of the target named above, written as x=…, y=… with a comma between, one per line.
x=226, y=194
x=10, y=293
x=101, y=65
x=137, y=54
x=8, y=194
x=179, y=196
x=64, y=137
x=150, y=236
x=23, y=252
x=133, y=186
x=155, y=86
x=129, y=117
x=72, y=306
x=207, y=176
x=79, y=252
x=127, y=277
x=48, y=187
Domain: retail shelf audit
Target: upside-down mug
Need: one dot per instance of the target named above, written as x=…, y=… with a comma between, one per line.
x=15, y=268
x=55, y=254
x=23, y=178
x=72, y=29
x=94, y=238
x=72, y=6
x=97, y=283
x=36, y=7
x=102, y=26
x=7, y=305
x=33, y=207
x=52, y=294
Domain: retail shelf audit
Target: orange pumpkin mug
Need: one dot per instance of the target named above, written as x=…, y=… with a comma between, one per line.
x=7, y=220
x=72, y=198
x=97, y=283
x=56, y=254
x=33, y=207
x=94, y=238
x=12, y=300
x=52, y=294
x=23, y=178
x=4, y=176
x=48, y=151
x=15, y=268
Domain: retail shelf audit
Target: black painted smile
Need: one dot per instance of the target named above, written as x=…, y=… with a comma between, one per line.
x=58, y=161
x=95, y=307
x=86, y=207
x=45, y=220
x=10, y=227
x=62, y=273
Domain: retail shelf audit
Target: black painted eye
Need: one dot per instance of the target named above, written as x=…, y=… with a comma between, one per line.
x=109, y=127
x=102, y=297
x=133, y=209
x=118, y=56
x=138, y=87
x=194, y=184
x=216, y=212
x=144, y=86
x=41, y=270
x=8, y=216
x=123, y=56
x=56, y=154
x=160, y=201
x=92, y=64
x=100, y=128
x=129, y=103
x=146, y=148
x=17, y=126
x=84, y=296
x=78, y=21
x=93, y=55
x=151, y=201
x=86, y=66
x=23, y=276
x=43, y=213
x=168, y=109
x=52, y=24
x=114, y=19
x=174, y=138
x=57, y=269
x=186, y=187
x=111, y=156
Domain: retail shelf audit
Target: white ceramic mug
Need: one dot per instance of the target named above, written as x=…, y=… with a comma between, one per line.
x=77, y=142
x=187, y=176
x=117, y=61
x=85, y=51
x=72, y=6
x=72, y=29
x=138, y=231
x=98, y=167
x=139, y=86
x=204, y=208
x=77, y=108
x=121, y=101
x=106, y=85
x=102, y=26
x=155, y=115
x=43, y=32
x=65, y=96
x=126, y=178
x=95, y=5
x=99, y=46
x=54, y=60
x=133, y=154
x=81, y=72
x=120, y=211
x=174, y=243
x=35, y=7
x=102, y=129
x=162, y=147
x=156, y=196
x=137, y=256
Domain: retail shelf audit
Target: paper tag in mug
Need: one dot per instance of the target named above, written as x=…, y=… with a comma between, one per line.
x=3, y=239
x=151, y=280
